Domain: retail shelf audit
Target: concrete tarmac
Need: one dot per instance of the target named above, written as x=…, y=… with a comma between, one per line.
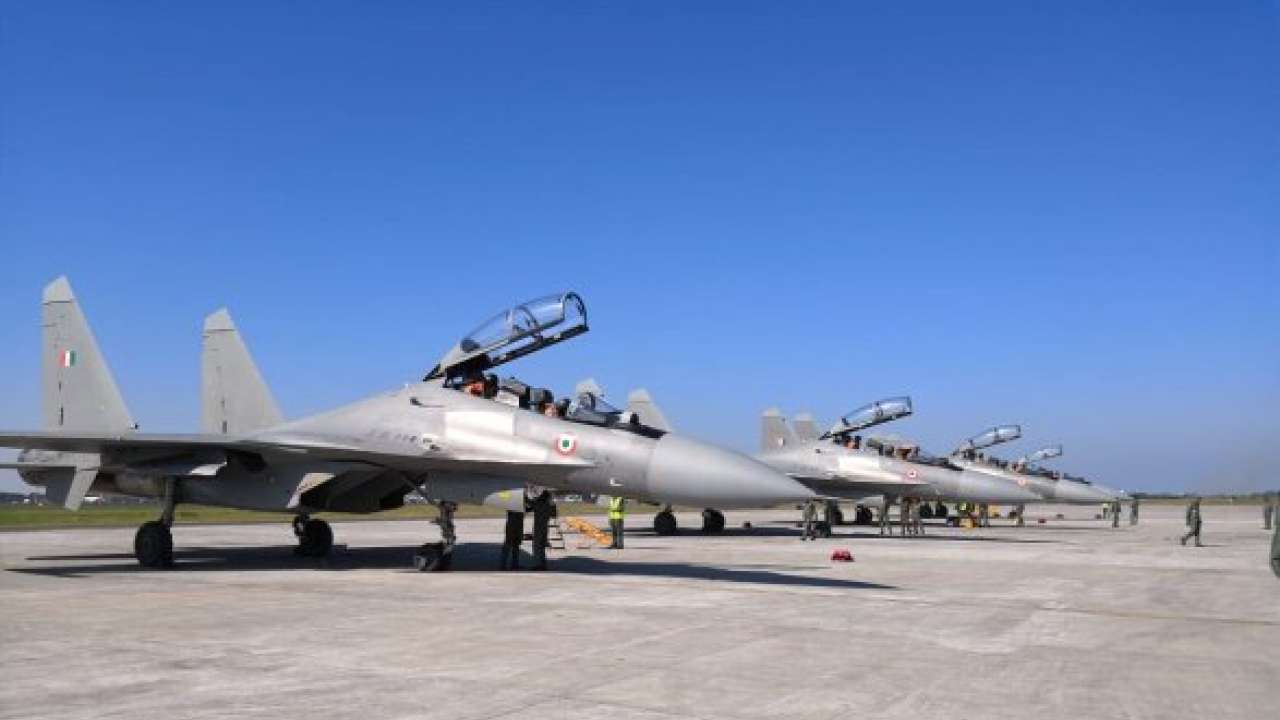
x=1071, y=619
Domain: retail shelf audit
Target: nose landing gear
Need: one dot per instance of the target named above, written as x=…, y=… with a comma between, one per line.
x=438, y=556
x=664, y=523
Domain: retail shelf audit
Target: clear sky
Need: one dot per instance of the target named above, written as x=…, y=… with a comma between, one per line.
x=1060, y=214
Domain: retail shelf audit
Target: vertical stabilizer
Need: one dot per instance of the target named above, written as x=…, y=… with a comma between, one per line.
x=774, y=433
x=234, y=399
x=646, y=410
x=78, y=392
x=806, y=428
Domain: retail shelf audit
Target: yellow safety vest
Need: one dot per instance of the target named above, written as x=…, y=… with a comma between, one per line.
x=617, y=508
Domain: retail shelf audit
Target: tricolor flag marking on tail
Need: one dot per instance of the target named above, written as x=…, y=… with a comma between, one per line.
x=68, y=358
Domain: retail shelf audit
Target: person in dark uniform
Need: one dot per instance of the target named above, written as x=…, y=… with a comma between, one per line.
x=1193, y=522
x=512, y=536
x=1133, y=511
x=1275, y=551
x=809, y=519
x=1115, y=514
x=1267, y=511
x=543, y=509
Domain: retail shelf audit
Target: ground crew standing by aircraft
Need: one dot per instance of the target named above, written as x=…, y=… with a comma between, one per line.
x=1267, y=511
x=511, y=539
x=543, y=507
x=1275, y=551
x=1193, y=522
x=1133, y=512
x=984, y=515
x=809, y=522
x=617, y=514
x=1115, y=514
x=917, y=524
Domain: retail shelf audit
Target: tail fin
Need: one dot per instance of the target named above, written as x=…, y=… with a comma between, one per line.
x=806, y=428
x=234, y=398
x=640, y=403
x=79, y=393
x=774, y=433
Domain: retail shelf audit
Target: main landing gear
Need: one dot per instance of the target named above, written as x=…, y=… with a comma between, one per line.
x=153, y=543
x=315, y=537
x=438, y=556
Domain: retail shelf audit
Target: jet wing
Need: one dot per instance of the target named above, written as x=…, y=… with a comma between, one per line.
x=853, y=489
x=336, y=450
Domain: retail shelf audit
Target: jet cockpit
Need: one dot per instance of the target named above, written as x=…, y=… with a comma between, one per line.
x=511, y=334
x=869, y=415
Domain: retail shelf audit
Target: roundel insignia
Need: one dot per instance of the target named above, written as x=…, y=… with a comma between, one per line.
x=911, y=474
x=566, y=443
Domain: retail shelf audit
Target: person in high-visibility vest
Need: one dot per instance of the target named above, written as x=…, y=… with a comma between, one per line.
x=617, y=513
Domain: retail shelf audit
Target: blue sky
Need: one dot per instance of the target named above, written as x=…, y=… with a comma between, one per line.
x=1065, y=215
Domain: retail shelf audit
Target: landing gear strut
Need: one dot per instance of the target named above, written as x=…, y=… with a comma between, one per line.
x=438, y=556
x=664, y=523
x=712, y=521
x=315, y=537
x=153, y=543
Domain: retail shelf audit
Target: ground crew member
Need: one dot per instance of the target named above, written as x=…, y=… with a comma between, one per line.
x=543, y=507
x=1275, y=551
x=1021, y=511
x=904, y=515
x=884, y=515
x=617, y=513
x=1133, y=512
x=809, y=522
x=511, y=539
x=1193, y=522
x=1115, y=514
x=1267, y=511
x=917, y=524
x=984, y=515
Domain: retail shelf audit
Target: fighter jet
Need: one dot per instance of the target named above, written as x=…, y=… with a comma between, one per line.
x=1024, y=472
x=838, y=465
x=936, y=477
x=450, y=438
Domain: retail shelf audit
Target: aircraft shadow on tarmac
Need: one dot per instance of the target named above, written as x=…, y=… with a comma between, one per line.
x=470, y=557
x=845, y=533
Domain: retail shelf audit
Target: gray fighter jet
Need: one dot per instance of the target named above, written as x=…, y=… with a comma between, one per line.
x=1024, y=472
x=837, y=465
x=451, y=438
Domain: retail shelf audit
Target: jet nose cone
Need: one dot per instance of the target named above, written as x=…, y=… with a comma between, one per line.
x=688, y=472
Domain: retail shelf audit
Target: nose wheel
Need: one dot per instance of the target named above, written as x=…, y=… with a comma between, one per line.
x=438, y=556
x=664, y=523
x=315, y=537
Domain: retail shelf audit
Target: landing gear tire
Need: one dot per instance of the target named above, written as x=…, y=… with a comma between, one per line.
x=315, y=538
x=862, y=516
x=837, y=516
x=824, y=529
x=432, y=558
x=712, y=521
x=153, y=545
x=664, y=523
x=926, y=511
x=940, y=511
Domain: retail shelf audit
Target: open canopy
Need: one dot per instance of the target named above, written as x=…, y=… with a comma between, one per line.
x=994, y=436
x=1044, y=453
x=513, y=333
x=870, y=415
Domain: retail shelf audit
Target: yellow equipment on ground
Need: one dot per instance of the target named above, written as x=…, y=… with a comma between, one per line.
x=582, y=527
